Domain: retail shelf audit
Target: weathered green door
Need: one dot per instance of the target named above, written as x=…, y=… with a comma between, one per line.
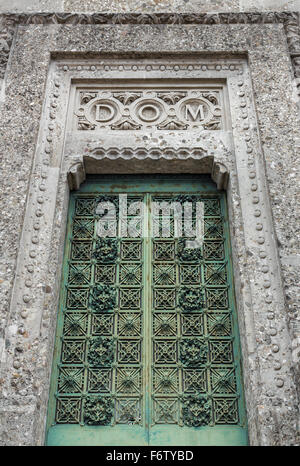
x=147, y=348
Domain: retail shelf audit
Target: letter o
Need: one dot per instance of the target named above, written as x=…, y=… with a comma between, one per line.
x=150, y=117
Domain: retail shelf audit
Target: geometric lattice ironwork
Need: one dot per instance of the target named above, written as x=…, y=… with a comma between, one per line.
x=100, y=355
x=146, y=323
x=192, y=340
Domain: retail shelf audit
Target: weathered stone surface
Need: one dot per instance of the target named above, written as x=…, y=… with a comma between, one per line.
x=34, y=193
x=148, y=6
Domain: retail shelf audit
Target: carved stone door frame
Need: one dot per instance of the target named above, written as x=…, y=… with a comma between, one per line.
x=232, y=155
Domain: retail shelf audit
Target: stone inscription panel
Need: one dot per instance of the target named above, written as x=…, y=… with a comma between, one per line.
x=148, y=109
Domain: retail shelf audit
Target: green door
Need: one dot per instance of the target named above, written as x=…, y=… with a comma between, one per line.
x=147, y=348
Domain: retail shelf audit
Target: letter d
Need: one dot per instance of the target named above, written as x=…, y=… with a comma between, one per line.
x=189, y=455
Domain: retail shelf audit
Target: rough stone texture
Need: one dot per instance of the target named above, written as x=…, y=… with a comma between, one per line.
x=6, y=37
x=32, y=5
x=147, y=6
x=27, y=339
x=18, y=137
x=272, y=5
x=290, y=20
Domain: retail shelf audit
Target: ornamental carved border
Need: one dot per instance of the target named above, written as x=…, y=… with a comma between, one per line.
x=148, y=110
x=290, y=20
x=6, y=38
x=262, y=300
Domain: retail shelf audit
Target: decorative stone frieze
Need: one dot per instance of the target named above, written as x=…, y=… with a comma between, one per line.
x=290, y=20
x=285, y=17
x=148, y=110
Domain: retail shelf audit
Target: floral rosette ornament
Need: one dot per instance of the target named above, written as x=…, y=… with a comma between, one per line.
x=190, y=299
x=106, y=250
x=101, y=352
x=98, y=410
x=103, y=298
x=196, y=410
x=193, y=352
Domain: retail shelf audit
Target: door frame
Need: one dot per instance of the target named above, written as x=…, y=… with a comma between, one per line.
x=232, y=157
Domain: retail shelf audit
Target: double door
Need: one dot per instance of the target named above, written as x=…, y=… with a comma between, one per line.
x=147, y=348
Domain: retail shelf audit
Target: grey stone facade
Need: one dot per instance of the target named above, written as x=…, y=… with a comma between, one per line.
x=256, y=51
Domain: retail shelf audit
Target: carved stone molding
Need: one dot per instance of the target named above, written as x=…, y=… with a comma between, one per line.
x=76, y=175
x=134, y=65
x=152, y=109
x=220, y=175
x=290, y=20
x=6, y=37
x=95, y=163
x=284, y=17
x=154, y=153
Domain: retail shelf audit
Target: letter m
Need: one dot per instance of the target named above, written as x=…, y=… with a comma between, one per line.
x=194, y=112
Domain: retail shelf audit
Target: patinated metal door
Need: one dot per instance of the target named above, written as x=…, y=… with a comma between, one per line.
x=147, y=349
